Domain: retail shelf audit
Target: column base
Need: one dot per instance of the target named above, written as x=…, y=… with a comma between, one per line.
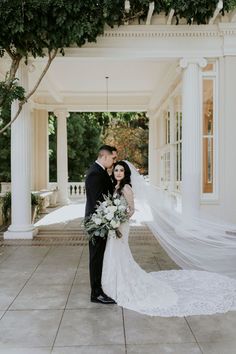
x=17, y=234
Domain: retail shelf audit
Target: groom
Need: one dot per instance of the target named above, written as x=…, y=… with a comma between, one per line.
x=98, y=184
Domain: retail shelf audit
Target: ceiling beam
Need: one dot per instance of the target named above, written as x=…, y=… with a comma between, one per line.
x=131, y=107
x=53, y=89
x=163, y=86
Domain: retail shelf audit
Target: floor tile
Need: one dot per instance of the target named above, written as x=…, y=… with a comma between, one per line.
x=88, y=349
x=29, y=328
x=142, y=329
x=80, y=297
x=53, y=276
x=214, y=328
x=41, y=296
x=183, y=348
x=13, y=277
x=219, y=348
x=5, y=252
x=27, y=254
x=25, y=258
x=91, y=327
x=8, y=293
x=25, y=351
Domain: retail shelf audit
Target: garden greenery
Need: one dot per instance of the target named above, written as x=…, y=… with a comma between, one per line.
x=35, y=28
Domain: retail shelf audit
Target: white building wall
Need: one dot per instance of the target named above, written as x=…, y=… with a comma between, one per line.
x=224, y=208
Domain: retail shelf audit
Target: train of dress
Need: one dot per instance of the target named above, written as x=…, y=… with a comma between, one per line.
x=163, y=293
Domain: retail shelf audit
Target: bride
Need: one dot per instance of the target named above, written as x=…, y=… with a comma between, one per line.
x=163, y=293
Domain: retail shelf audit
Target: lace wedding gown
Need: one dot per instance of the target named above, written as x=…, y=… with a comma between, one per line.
x=163, y=293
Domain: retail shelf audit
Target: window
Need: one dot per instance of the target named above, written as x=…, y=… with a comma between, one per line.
x=208, y=136
x=178, y=148
x=166, y=152
x=209, y=130
x=166, y=158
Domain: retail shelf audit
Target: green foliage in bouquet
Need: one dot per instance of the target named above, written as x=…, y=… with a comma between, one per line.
x=108, y=216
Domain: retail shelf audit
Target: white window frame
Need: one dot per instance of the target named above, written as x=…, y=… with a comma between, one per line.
x=179, y=142
x=207, y=198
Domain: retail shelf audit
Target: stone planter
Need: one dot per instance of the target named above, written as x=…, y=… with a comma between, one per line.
x=5, y=187
x=53, y=198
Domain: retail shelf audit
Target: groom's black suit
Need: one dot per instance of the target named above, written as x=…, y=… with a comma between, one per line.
x=97, y=184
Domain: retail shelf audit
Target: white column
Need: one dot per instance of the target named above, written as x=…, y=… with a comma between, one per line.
x=21, y=226
x=152, y=153
x=191, y=104
x=62, y=156
x=172, y=145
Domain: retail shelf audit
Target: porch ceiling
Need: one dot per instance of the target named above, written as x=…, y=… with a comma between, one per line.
x=79, y=84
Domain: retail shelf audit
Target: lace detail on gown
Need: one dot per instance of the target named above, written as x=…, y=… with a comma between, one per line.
x=164, y=293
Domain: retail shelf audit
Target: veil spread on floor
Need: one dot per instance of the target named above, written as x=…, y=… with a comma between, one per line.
x=193, y=244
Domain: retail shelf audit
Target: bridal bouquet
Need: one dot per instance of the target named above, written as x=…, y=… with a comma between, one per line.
x=108, y=216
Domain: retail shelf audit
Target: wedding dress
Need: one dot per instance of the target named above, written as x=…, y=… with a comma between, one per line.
x=163, y=293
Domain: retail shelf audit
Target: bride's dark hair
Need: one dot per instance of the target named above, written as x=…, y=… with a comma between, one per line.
x=127, y=175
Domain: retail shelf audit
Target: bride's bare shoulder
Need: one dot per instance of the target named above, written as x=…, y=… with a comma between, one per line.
x=127, y=188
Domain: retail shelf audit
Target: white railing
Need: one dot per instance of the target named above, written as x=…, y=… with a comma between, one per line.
x=75, y=189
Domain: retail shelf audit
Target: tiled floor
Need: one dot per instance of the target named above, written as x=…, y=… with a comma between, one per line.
x=45, y=307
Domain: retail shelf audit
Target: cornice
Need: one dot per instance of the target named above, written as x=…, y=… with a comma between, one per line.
x=220, y=30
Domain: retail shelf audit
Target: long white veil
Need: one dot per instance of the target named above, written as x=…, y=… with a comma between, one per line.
x=193, y=244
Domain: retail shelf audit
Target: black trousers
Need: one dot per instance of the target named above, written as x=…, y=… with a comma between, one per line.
x=96, y=254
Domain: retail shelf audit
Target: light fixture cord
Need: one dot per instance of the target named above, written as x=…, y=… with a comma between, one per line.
x=107, y=77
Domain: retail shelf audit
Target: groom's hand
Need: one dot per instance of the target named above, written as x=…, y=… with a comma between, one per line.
x=118, y=234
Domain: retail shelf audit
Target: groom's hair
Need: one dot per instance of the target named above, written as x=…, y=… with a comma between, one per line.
x=107, y=148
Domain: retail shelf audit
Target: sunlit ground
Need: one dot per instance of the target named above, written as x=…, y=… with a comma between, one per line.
x=71, y=216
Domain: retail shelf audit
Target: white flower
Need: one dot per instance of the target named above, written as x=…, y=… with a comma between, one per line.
x=117, y=201
x=112, y=208
x=97, y=221
x=114, y=223
x=121, y=207
x=109, y=216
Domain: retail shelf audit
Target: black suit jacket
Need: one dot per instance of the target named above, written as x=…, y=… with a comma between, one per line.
x=97, y=184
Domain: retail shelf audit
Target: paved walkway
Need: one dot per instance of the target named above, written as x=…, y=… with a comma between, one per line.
x=45, y=307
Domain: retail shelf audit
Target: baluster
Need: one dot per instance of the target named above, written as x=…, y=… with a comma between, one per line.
x=71, y=189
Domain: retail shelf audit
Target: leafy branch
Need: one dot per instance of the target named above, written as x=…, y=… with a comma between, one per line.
x=30, y=28
x=19, y=91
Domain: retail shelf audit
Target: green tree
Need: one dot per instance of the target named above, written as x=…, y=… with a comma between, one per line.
x=87, y=131
x=84, y=139
x=35, y=28
x=39, y=28
x=83, y=142
x=129, y=133
x=5, y=155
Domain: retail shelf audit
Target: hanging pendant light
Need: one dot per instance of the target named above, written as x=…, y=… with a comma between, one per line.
x=107, y=77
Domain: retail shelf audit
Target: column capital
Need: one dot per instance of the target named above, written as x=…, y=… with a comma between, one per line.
x=184, y=62
x=61, y=113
